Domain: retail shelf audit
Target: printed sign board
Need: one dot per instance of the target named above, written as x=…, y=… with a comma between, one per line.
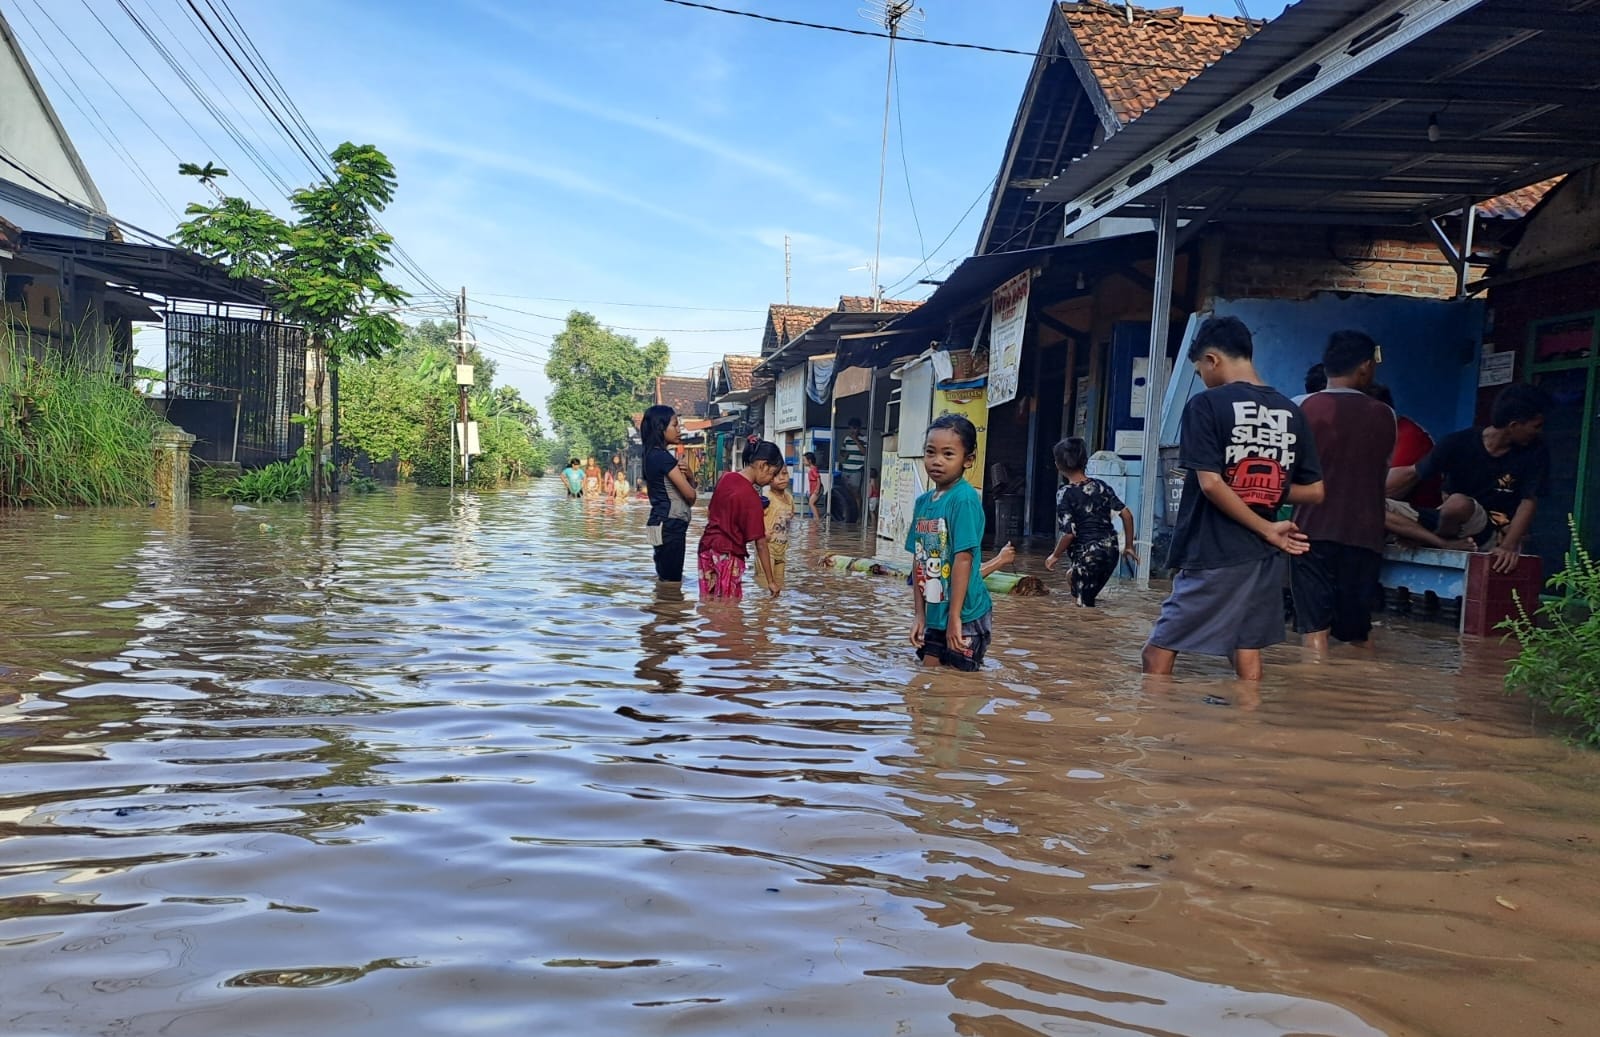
x=1007, y=320
x=1496, y=369
x=791, y=400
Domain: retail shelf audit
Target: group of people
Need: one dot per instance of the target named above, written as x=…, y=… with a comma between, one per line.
x=588, y=480
x=737, y=517
x=1322, y=484
x=1276, y=494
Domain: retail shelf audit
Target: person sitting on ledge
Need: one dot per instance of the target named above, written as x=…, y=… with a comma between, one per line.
x=1493, y=478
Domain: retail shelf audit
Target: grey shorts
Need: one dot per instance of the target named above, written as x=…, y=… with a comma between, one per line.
x=1219, y=611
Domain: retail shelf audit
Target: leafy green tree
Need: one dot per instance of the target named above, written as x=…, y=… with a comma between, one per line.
x=402, y=407
x=601, y=379
x=324, y=270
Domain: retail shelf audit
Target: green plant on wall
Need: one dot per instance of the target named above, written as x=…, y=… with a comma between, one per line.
x=1559, y=664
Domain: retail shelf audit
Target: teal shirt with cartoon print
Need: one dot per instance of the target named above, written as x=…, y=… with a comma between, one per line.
x=942, y=526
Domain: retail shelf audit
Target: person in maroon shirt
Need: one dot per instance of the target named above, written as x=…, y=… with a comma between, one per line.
x=1333, y=582
x=734, y=520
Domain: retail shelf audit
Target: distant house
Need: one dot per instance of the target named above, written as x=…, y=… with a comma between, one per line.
x=71, y=284
x=687, y=396
x=733, y=385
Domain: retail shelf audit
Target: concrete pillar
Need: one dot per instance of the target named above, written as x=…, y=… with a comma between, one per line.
x=172, y=445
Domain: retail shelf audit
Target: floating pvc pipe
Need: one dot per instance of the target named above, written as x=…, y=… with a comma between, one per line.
x=1018, y=584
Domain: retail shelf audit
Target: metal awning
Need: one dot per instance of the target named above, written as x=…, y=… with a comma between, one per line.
x=151, y=269
x=1325, y=115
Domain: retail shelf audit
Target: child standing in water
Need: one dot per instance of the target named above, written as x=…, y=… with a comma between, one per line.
x=813, y=483
x=734, y=520
x=670, y=490
x=779, y=517
x=1084, y=509
x=950, y=604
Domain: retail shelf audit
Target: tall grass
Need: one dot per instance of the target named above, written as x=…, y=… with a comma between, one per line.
x=70, y=434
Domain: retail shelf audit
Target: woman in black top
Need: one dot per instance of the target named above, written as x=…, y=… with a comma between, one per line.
x=670, y=489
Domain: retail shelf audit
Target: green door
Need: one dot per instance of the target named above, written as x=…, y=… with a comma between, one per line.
x=1564, y=354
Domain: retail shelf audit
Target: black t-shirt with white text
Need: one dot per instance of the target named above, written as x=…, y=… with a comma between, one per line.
x=1260, y=444
x=1500, y=484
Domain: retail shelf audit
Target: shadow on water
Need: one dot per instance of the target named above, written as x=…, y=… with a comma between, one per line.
x=420, y=765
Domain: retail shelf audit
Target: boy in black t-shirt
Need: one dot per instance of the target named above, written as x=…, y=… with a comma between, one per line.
x=1247, y=451
x=1493, y=478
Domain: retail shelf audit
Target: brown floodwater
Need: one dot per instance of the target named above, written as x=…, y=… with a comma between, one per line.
x=408, y=766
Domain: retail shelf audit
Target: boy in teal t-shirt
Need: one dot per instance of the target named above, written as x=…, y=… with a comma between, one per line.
x=946, y=524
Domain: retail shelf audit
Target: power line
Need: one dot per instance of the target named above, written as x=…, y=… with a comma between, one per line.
x=905, y=166
x=194, y=88
x=321, y=167
x=619, y=327
x=97, y=122
x=934, y=43
x=923, y=265
x=604, y=302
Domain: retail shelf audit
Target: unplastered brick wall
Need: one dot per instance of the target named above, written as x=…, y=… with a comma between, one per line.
x=1292, y=262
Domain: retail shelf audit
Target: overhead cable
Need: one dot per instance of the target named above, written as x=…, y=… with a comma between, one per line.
x=875, y=34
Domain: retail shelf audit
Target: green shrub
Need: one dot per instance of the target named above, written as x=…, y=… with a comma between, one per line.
x=278, y=481
x=1559, y=665
x=70, y=434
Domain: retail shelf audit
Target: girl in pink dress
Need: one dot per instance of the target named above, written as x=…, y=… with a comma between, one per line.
x=734, y=520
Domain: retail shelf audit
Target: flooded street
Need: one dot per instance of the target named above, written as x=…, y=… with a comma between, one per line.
x=409, y=766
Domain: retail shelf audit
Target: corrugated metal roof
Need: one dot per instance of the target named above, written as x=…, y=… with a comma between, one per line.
x=1511, y=94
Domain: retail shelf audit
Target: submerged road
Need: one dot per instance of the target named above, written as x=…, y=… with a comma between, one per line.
x=415, y=766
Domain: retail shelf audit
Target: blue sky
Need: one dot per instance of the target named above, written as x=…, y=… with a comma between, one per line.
x=644, y=158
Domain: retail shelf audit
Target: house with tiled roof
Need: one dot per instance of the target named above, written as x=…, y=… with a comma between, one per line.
x=1100, y=66
x=687, y=396
x=785, y=323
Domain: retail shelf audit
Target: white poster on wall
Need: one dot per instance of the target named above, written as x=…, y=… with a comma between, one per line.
x=916, y=407
x=790, y=402
x=1008, y=318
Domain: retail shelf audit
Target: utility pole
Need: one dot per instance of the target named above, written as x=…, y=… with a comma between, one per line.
x=889, y=14
x=463, y=383
x=787, y=270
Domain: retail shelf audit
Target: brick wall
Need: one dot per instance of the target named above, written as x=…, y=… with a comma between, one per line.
x=1260, y=261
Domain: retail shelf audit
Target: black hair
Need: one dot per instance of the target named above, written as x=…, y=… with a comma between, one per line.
x=1381, y=393
x=575, y=463
x=653, y=426
x=962, y=427
x=1348, y=350
x=1071, y=454
x=1316, y=378
x=1518, y=402
x=811, y=458
x=759, y=451
x=1225, y=335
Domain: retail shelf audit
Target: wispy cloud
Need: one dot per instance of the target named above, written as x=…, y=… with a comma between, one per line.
x=713, y=69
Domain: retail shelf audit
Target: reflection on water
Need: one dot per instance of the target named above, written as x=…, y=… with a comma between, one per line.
x=415, y=766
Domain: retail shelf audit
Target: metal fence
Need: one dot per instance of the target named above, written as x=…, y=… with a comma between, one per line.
x=233, y=375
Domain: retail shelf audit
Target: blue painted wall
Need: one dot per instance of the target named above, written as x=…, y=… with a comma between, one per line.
x=1430, y=351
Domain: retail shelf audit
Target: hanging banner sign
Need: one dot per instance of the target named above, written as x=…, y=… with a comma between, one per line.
x=790, y=402
x=1008, y=317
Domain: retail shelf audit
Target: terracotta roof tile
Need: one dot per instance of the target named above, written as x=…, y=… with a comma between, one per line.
x=1514, y=205
x=1140, y=63
x=10, y=235
x=740, y=371
x=785, y=323
x=685, y=395
x=863, y=304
